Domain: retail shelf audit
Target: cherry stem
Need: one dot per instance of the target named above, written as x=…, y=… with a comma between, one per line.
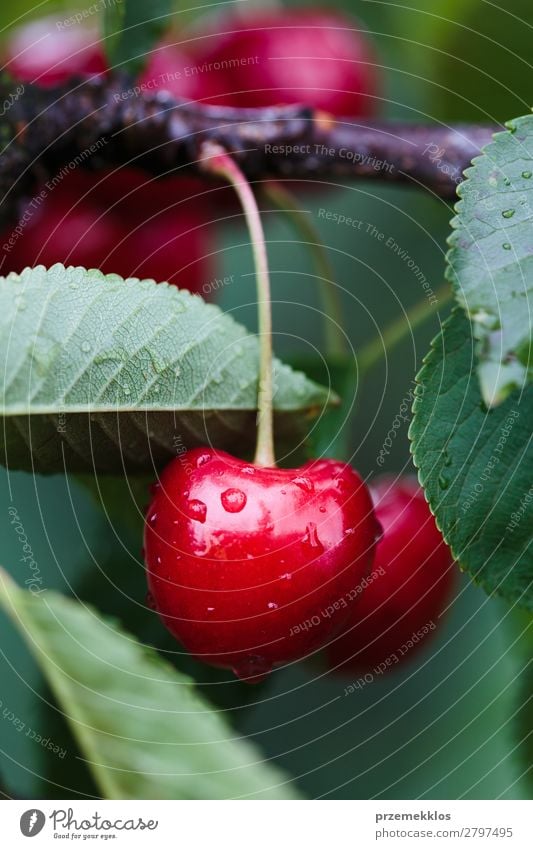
x=400, y=327
x=217, y=161
x=336, y=345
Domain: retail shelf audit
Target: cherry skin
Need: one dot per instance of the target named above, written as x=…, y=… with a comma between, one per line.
x=252, y=567
x=41, y=53
x=411, y=583
x=267, y=57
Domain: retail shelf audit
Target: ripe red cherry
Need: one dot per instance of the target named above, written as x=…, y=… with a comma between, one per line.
x=43, y=53
x=410, y=585
x=250, y=567
x=268, y=57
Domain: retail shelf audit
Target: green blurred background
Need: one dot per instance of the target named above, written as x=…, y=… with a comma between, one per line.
x=443, y=726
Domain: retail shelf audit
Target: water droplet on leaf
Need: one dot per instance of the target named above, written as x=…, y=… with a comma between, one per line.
x=443, y=481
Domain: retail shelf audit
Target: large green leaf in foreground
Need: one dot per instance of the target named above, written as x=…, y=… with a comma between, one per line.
x=491, y=258
x=475, y=465
x=144, y=731
x=101, y=373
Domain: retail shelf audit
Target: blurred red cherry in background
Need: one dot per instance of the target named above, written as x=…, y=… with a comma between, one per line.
x=267, y=57
x=411, y=584
x=46, y=53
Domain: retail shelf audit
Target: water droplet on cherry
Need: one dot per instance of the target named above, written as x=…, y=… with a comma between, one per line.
x=311, y=536
x=233, y=500
x=196, y=510
x=304, y=483
x=202, y=460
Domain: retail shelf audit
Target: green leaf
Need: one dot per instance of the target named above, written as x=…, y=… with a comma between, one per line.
x=491, y=259
x=477, y=58
x=132, y=28
x=475, y=465
x=102, y=374
x=145, y=732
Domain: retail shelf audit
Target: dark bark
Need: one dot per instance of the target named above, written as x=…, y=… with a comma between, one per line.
x=46, y=130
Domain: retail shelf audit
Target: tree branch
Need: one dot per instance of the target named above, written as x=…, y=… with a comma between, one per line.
x=99, y=123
